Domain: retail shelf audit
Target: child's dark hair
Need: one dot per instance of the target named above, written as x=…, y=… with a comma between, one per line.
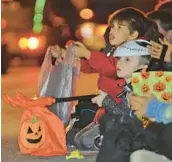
x=137, y=21
x=164, y=17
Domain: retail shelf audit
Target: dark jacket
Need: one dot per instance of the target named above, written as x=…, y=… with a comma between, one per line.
x=123, y=133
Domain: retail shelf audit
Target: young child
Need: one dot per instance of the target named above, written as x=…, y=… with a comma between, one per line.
x=122, y=130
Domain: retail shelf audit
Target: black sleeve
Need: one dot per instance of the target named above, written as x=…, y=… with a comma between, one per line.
x=110, y=105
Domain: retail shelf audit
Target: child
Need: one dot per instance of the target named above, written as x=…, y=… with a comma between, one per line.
x=122, y=130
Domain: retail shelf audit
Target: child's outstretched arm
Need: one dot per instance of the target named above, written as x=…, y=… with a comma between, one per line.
x=98, y=61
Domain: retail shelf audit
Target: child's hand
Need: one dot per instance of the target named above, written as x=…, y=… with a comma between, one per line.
x=99, y=99
x=156, y=49
x=58, y=52
x=81, y=50
x=139, y=103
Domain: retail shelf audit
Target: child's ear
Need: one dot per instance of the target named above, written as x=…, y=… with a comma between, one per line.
x=143, y=67
x=134, y=35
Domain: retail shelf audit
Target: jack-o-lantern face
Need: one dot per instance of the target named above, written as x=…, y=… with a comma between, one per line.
x=145, y=75
x=166, y=96
x=135, y=80
x=168, y=78
x=145, y=88
x=159, y=73
x=159, y=87
x=32, y=133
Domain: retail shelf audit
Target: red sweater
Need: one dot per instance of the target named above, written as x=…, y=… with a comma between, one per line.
x=106, y=67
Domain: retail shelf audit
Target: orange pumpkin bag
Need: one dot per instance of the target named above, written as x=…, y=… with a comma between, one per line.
x=41, y=133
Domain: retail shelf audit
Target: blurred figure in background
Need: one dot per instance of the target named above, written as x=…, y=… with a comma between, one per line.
x=163, y=19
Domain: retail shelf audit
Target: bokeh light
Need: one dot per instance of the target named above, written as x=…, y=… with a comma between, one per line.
x=80, y=4
x=87, y=30
x=100, y=29
x=37, y=27
x=33, y=43
x=3, y=23
x=86, y=13
x=23, y=42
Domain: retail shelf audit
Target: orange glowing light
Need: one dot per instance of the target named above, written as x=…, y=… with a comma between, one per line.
x=86, y=13
x=100, y=30
x=23, y=42
x=3, y=23
x=33, y=43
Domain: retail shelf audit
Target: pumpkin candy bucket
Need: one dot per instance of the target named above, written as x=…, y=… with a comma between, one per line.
x=41, y=133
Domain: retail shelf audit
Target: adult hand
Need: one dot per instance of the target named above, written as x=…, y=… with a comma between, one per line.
x=139, y=103
x=99, y=99
x=156, y=49
x=81, y=50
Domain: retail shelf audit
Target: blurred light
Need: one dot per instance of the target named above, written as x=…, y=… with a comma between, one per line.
x=80, y=4
x=23, y=42
x=78, y=34
x=57, y=21
x=87, y=30
x=3, y=23
x=38, y=18
x=100, y=29
x=94, y=43
x=86, y=13
x=33, y=43
x=37, y=27
x=39, y=6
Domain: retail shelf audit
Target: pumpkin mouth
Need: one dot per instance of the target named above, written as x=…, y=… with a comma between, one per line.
x=34, y=140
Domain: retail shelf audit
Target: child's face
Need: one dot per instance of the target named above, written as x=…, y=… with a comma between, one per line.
x=127, y=65
x=119, y=33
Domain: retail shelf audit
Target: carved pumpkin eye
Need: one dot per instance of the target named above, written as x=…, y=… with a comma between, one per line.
x=29, y=131
x=39, y=129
